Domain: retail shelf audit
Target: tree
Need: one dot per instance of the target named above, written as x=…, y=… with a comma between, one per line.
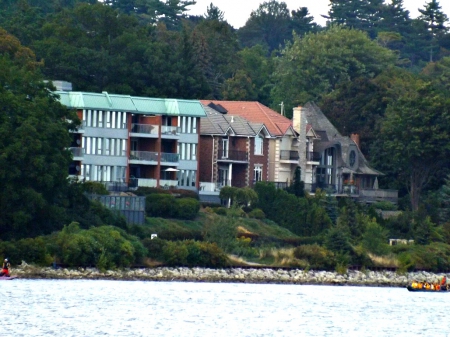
x=34, y=141
x=316, y=64
x=269, y=26
x=435, y=21
x=375, y=237
x=414, y=132
x=214, y=13
x=364, y=15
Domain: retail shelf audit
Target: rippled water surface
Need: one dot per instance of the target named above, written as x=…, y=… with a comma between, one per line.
x=116, y=308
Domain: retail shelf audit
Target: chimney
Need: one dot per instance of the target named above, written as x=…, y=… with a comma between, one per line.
x=355, y=138
x=296, y=118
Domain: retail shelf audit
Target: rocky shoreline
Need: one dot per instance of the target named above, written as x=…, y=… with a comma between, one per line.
x=240, y=275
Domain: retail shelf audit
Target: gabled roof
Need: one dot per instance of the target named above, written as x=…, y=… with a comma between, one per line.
x=329, y=136
x=126, y=103
x=254, y=111
x=217, y=123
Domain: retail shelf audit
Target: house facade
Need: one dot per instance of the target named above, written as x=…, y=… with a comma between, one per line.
x=333, y=162
x=283, y=144
x=129, y=142
x=234, y=152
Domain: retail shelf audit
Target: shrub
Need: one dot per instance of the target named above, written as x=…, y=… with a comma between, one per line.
x=175, y=254
x=94, y=187
x=220, y=210
x=160, y=205
x=256, y=214
x=318, y=257
x=186, y=208
x=384, y=206
x=154, y=247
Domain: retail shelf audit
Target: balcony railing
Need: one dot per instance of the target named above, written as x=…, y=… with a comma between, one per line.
x=313, y=156
x=170, y=130
x=144, y=155
x=154, y=156
x=289, y=155
x=145, y=129
x=77, y=151
x=170, y=157
x=233, y=155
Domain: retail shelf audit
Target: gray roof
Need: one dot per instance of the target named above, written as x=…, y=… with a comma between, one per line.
x=330, y=136
x=217, y=123
x=126, y=103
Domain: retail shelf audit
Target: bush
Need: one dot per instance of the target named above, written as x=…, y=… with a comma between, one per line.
x=186, y=208
x=160, y=205
x=257, y=214
x=154, y=247
x=220, y=210
x=94, y=187
x=318, y=257
x=384, y=206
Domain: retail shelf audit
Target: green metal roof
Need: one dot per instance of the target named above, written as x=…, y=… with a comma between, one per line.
x=126, y=103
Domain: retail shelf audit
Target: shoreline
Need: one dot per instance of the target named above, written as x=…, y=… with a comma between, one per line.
x=231, y=275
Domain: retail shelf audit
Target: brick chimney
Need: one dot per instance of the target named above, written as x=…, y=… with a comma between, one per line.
x=355, y=137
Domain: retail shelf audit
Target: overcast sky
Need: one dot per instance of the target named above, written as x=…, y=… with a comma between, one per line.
x=238, y=11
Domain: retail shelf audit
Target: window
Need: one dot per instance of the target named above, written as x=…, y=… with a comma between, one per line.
x=259, y=145
x=225, y=147
x=258, y=170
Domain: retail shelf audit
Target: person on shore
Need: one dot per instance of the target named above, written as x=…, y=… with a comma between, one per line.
x=5, y=268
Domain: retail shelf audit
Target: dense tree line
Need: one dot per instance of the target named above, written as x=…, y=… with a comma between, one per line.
x=373, y=70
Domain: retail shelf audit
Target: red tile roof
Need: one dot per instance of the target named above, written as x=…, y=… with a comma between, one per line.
x=256, y=112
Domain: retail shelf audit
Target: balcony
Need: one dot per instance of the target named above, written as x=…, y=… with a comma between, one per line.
x=152, y=158
x=233, y=156
x=288, y=156
x=145, y=130
x=169, y=158
x=170, y=131
x=77, y=153
x=313, y=158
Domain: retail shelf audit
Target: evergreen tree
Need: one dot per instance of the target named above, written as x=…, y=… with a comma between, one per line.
x=214, y=13
x=364, y=15
x=435, y=21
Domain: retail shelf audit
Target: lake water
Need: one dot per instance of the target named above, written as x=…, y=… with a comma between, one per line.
x=135, y=308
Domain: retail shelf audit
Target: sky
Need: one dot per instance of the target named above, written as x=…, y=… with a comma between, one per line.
x=238, y=11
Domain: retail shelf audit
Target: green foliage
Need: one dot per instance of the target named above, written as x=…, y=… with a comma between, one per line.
x=220, y=210
x=94, y=187
x=317, y=63
x=106, y=247
x=155, y=247
x=222, y=232
x=160, y=205
x=384, y=206
x=318, y=257
x=193, y=254
x=186, y=208
x=256, y=214
x=375, y=239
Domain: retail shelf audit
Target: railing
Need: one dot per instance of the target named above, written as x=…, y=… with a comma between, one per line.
x=170, y=130
x=77, y=151
x=233, y=155
x=379, y=194
x=313, y=156
x=145, y=129
x=166, y=184
x=154, y=156
x=144, y=155
x=170, y=157
x=289, y=155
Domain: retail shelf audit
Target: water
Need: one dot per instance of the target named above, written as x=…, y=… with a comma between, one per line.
x=127, y=308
